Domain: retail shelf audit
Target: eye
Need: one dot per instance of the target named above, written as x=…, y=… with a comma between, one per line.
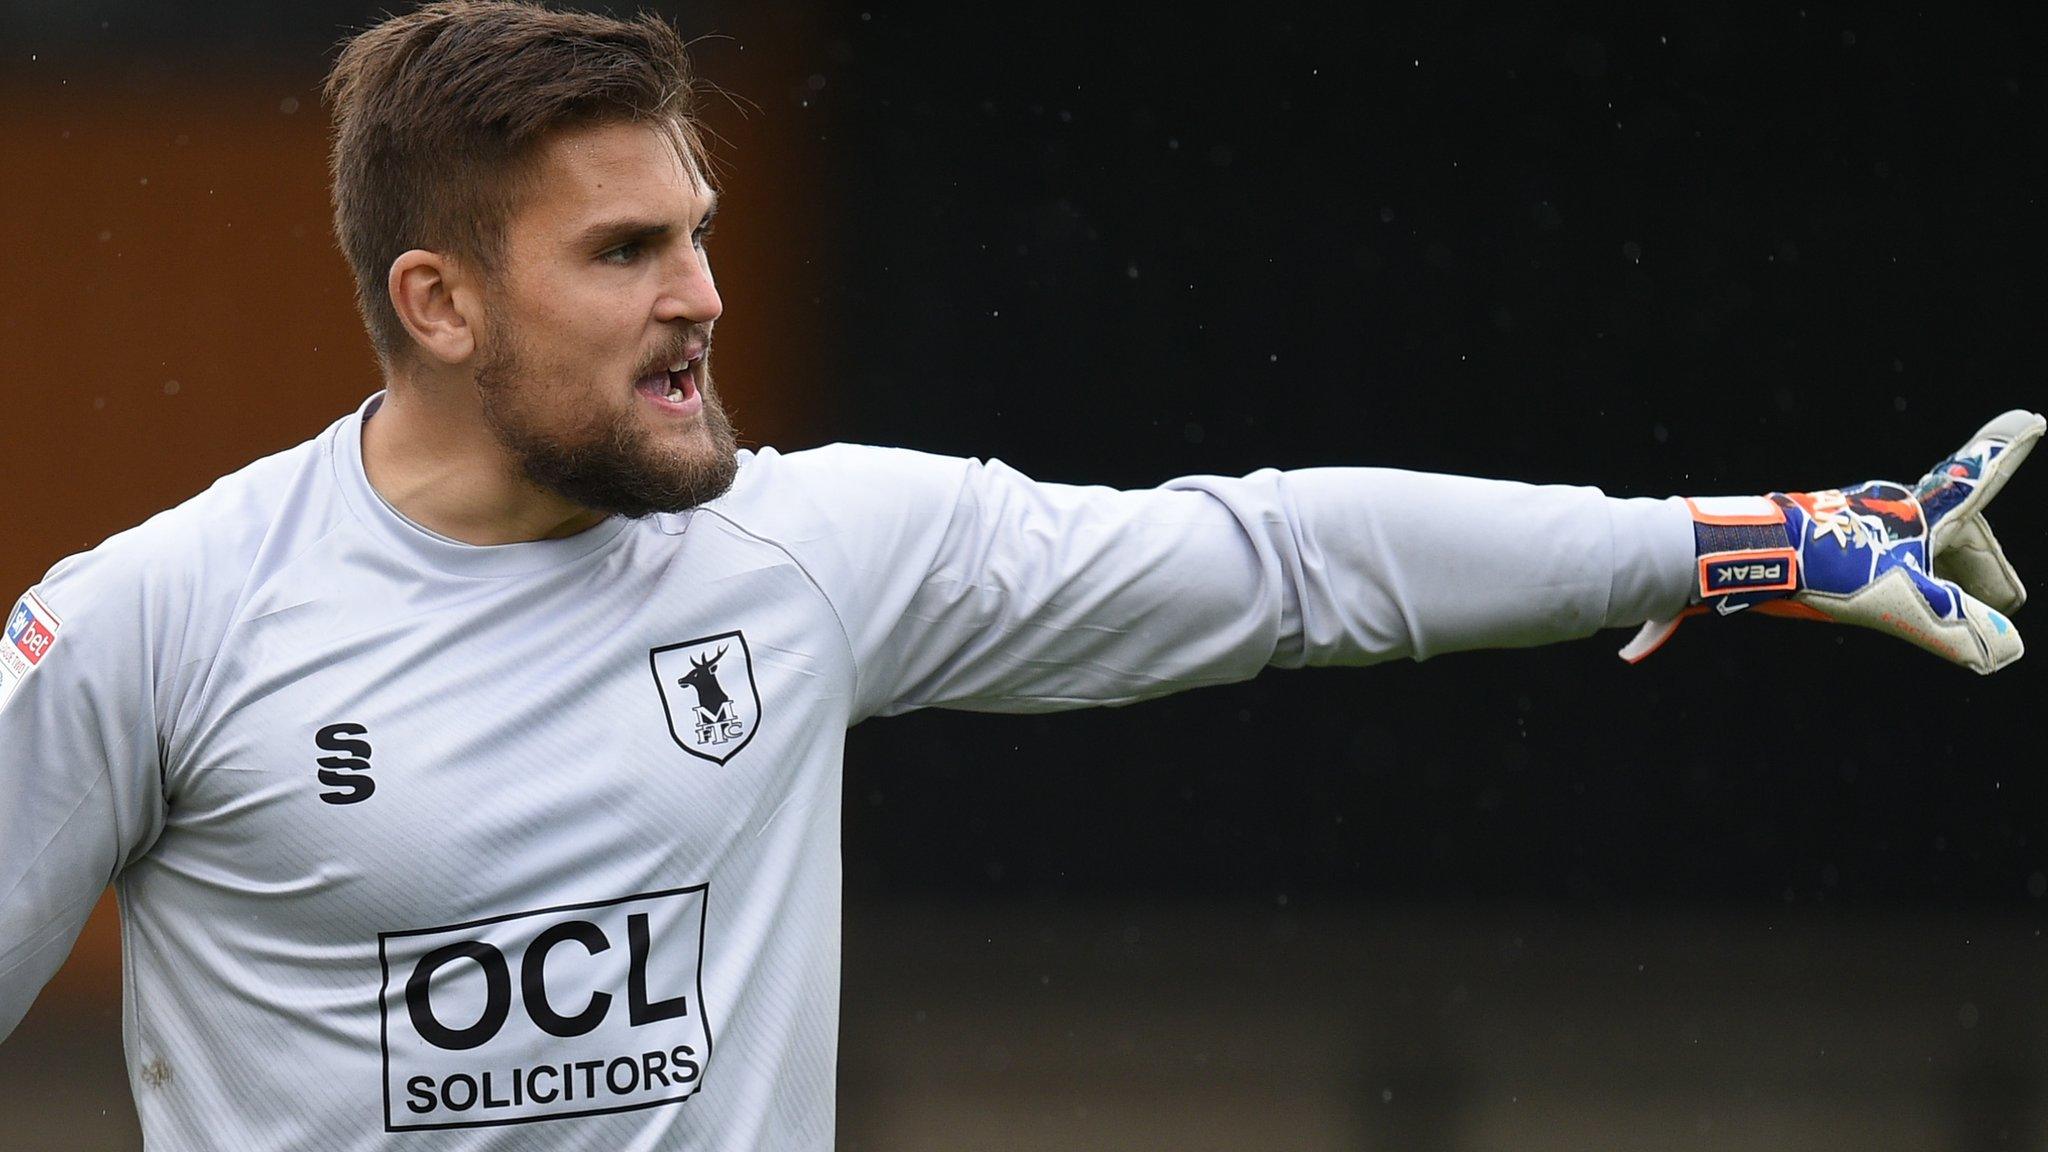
x=702, y=233
x=624, y=254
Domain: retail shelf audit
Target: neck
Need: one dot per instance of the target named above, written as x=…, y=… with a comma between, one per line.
x=429, y=453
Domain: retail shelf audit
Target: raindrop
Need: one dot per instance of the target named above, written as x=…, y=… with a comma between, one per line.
x=171, y=387
x=288, y=105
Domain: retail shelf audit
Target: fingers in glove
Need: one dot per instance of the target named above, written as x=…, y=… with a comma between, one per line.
x=1974, y=560
x=1933, y=614
x=1960, y=486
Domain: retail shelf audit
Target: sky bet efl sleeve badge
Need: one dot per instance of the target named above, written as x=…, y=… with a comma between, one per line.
x=31, y=633
x=707, y=686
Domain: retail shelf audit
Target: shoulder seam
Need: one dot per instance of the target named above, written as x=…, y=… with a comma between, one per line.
x=201, y=690
x=845, y=636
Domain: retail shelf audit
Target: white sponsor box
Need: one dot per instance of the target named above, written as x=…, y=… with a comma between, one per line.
x=576, y=1010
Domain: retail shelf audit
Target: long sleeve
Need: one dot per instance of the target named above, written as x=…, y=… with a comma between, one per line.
x=1388, y=564
x=968, y=585
x=80, y=794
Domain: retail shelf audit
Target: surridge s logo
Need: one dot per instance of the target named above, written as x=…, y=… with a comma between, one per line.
x=347, y=770
x=708, y=690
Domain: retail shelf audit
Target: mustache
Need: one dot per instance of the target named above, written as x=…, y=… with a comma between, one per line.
x=672, y=351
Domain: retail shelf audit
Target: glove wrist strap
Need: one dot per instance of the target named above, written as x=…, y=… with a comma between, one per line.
x=1743, y=552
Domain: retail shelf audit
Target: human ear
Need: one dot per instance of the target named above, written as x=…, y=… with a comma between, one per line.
x=427, y=293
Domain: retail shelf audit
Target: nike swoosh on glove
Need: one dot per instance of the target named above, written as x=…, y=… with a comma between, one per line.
x=1919, y=563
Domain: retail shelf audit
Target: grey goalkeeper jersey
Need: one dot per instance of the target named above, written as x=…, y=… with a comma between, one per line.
x=421, y=845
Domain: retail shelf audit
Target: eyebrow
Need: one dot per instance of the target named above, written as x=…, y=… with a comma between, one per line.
x=607, y=234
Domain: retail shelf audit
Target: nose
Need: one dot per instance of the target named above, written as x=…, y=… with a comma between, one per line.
x=688, y=291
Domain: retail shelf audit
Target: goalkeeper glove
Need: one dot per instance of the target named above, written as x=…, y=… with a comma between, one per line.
x=1919, y=562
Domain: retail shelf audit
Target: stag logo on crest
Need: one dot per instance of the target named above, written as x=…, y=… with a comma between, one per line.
x=717, y=721
x=707, y=687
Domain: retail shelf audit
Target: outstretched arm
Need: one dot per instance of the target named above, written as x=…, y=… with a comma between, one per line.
x=967, y=585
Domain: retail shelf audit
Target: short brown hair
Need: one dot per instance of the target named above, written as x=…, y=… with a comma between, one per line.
x=439, y=114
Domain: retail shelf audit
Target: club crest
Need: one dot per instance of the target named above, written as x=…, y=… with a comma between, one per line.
x=707, y=687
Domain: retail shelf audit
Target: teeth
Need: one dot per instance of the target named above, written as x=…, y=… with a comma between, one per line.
x=679, y=366
x=675, y=395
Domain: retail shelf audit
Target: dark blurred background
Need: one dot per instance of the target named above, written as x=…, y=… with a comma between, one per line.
x=1779, y=887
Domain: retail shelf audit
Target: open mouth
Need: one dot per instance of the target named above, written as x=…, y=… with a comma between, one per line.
x=675, y=388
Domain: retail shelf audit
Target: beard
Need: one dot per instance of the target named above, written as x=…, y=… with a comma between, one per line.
x=610, y=461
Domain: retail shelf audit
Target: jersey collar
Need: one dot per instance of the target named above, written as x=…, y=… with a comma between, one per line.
x=345, y=446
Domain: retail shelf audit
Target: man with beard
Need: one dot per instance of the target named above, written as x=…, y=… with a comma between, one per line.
x=472, y=771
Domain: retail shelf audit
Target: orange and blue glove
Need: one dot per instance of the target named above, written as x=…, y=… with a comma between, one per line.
x=1917, y=562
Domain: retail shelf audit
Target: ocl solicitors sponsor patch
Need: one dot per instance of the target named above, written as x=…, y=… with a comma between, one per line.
x=575, y=1010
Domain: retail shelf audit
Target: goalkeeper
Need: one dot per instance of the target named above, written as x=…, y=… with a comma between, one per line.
x=471, y=772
